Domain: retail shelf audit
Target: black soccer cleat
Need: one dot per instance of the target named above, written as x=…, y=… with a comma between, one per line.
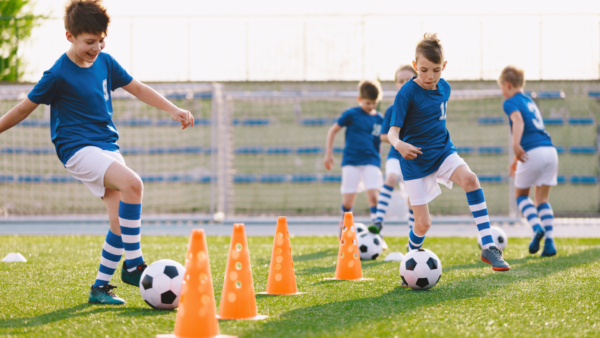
x=133, y=277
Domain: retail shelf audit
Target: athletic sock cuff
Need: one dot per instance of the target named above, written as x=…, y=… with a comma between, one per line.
x=130, y=211
x=522, y=198
x=475, y=197
x=344, y=209
x=114, y=240
x=387, y=187
x=544, y=206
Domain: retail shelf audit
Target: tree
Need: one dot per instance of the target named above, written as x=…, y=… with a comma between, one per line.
x=16, y=23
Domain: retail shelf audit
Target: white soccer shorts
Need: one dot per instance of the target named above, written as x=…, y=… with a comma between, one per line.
x=424, y=190
x=392, y=166
x=358, y=178
x=89, y=165
x=540, y=169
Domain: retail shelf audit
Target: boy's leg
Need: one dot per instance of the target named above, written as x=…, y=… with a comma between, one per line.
x=547, y=219
x=128, y=183
x=411, y=222
x=373, y=203
x=530, y=212
x=385, y=196
x=490, y=254
x=416, y=235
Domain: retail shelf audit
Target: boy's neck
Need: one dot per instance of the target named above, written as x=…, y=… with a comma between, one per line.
x=515, y=92
x=367, y=112
x=72, y=55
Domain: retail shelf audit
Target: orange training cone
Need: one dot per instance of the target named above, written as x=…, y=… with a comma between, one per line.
x=196, y=312
x=237, y=299
x=282, y=277
x=348, y=263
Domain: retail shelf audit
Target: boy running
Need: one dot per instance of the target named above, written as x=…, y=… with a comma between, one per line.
x=393, y=174
x=78, y=89
x=536, y=159
x=418, y=131
x=361, y=161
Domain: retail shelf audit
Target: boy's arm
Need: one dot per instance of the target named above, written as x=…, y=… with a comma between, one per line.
x=384, y=138
x=151, y=97
x=17, y=114
x=517, y=133
x=408, y=151
x=328, y=160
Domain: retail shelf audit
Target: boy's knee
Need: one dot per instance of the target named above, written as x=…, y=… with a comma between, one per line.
x=422, y=225
x=391, y=180
x=471, y=182
x=135, y=186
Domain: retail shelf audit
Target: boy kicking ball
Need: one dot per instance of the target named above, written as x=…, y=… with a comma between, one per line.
x=77, y=88
x=418, y=131
x=536, y=159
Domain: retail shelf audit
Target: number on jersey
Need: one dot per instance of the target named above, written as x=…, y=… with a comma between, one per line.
x=443, y=107
x=538, y=122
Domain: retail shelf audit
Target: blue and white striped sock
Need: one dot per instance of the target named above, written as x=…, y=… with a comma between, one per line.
x=414, y=241
x=547, y=218
x=411, y=219
x=373, y=213
x=482, y=219
x=344, y=211
x=112, y=250
x=385, y=195
x=530, y=212
x=130, y=220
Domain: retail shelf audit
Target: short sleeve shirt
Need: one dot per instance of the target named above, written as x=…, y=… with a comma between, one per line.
x=362, y=144
x=534, y=132
x=421, y=116
x=385, y=128
x=80, y=103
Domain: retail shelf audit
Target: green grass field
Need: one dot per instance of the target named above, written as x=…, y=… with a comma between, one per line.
x=47, y=296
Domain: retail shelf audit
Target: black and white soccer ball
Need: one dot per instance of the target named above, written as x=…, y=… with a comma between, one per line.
x=421, y=269
x=369, y=245
x=499, y=236
x=360, y=228
x=160, y=284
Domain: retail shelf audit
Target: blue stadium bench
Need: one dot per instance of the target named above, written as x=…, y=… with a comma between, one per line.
x=581, y=121
x=491, y=178
x=561, y=179
x=273, y=178
x=309, y=150
x=490, y=150
x=560, y=149
x=582, y=150
x=594, y=95
x=249, y=150
x=584, y=180
x=304, y=178
x=554, y=121
x=244, y=178
x=548, y=94
x=491, y=120
x=279, y=150
x=465, y=150
x=331, y=178
x=316, y=121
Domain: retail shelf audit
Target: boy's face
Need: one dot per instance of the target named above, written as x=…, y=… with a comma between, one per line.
x=402, y=77
x=367, y=104
x=507, y=89
x=429, y=73
x=87, y=46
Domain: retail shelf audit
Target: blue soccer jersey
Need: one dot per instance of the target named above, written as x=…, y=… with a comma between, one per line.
x=385, y=127
x=362, y=137
x=534, y=133
x=421, y=115
x=80, y=103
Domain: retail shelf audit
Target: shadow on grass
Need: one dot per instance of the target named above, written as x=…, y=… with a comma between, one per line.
x=343, y=315
x=317, y=255
x=81, y=310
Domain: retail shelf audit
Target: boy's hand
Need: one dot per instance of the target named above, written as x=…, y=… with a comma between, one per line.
x=408, y=151
x=520, y=153
x=328, y=162
x=512, y=168
x=182, y=116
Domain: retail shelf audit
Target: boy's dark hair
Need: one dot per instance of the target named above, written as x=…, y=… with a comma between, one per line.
x=86, y=16
x=430, y=48
x=368, y=89
x=402, y=68
x=513, y=75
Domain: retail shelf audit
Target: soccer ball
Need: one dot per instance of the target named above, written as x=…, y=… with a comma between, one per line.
x=160, y=284
x=219, y=217
x=421, y=269
x=500, y=239
x=369, y=245
x=360, y=228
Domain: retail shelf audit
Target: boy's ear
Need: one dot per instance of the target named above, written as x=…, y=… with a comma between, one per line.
x=444, y=65
x=414, y=63
x=358, y=99
x=69, y=36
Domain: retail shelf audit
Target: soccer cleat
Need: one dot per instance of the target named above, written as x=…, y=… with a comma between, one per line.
x=534, y=246
x=103, y=295
x=549, y=248
x=493, y=256
x=375, y=228
x=133, y=277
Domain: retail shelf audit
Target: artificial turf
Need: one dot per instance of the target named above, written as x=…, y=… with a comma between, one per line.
x=558, y=296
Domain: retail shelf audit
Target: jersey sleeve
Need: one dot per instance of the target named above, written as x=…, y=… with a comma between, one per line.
x=385, y=125
x=509, y=107
x=45, y=90
x=401, y=105
x=118, y=75
x=346, y=119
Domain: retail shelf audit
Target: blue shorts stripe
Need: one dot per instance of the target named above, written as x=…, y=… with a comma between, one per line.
x=131, y=231
x=106, y=270
x=487, y=240
x=480, y=213
x=111, y=257
x=483, y=226
x=132, y=246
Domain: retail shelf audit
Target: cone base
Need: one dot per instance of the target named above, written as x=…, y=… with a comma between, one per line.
x=174, y=336
x=257, y=317
x=280, y=294
x=354, y=280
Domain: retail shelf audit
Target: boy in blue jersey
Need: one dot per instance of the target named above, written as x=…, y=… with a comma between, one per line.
x=393, y=174
x=418, y=131
x=536, y=159
x=78, y=89
x=361, y=161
